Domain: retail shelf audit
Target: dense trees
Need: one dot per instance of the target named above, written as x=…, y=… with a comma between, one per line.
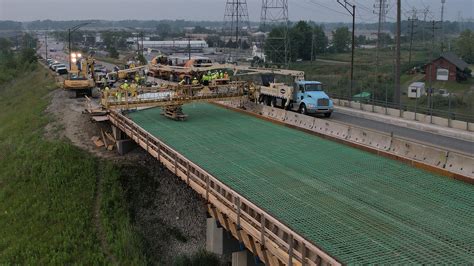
x=341, y=39
x=465, y=46
x=303, y=39
x=13, y=63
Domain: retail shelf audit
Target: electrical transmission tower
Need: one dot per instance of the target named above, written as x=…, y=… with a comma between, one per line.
x=274, y=17
x=412, y=19
x=236, y=23
x=442, y=26
x=380, y=8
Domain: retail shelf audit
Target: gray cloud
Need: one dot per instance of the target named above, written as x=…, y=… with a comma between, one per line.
x=317, y=10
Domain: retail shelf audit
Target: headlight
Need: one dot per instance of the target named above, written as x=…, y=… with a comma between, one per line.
x=310, y=105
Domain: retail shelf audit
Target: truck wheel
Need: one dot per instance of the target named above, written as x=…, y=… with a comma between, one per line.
x=268, y=100
x=303, y=109
x=327, y=115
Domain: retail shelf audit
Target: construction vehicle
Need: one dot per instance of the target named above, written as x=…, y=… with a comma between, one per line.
x=80, y=81
x=306, y=97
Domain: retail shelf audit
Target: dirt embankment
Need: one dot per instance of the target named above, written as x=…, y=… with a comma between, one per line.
x=168, y=215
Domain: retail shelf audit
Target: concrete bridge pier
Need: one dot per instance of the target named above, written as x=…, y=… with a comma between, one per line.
x=123, y=142
x=221, y=242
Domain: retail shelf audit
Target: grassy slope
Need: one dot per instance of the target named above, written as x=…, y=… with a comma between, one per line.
x=47, y=188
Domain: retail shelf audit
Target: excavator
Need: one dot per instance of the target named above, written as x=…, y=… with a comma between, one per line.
x=80, y=80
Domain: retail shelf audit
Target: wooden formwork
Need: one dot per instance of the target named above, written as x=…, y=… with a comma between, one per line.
x=274, y=242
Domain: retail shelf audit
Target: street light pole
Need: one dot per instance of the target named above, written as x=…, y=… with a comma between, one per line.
x=69, y=47
x=71, y=30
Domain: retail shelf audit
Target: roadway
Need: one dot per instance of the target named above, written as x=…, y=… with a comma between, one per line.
x=408, y=133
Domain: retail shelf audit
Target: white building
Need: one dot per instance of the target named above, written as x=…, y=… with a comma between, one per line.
x=416, y=89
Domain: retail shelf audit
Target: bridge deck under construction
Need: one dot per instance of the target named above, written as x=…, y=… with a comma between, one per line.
x=355, y=205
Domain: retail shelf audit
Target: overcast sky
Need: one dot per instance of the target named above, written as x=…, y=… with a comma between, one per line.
x=316, y=10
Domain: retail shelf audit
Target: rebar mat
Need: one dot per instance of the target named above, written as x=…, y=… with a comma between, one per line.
x=355, y=205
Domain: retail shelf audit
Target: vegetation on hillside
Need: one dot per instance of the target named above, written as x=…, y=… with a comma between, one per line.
x=47, y=187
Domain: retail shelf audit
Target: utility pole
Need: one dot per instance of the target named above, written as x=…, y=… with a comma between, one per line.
x=442, y=25
x=46, y=43
x=425, y=13
x=430, y=77
x=397, y=92
x=189, y=48
x=312, y=47
x=141, y=50
x=352, y=12
x=412, y=25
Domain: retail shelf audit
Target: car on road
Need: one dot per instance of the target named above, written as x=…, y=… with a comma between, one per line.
x=61, y=70
x=53, y=65
x=56, y=66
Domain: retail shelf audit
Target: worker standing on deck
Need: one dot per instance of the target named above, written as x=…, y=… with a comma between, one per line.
x=205, y=79
x=195, y=81
x=106, y=93
x=226, y=75
x=137, y=78
x=221, y=75
x=133, y=89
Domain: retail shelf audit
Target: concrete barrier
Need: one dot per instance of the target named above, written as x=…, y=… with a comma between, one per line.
x=355, y=105
x=393, y=112
x=278, y=114
x=379, y=109
x=300, y=120
x=333, y=129
x=370, y=138
x=344, y=103
x=460, y=164
x=440, y=121
x=470, y=126
x=419, y=152
x=266, y=110
x=409, y=115
x=459, y=124
x=367, y=107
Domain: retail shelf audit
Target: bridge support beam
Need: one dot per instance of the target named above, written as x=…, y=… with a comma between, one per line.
x=218, y=240
x=122, y=141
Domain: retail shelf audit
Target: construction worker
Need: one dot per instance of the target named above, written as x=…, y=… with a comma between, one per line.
x=205, y=79
x=182, y=82
x=106, y=92
x=226, y=75
x=133, y=89
x=195, y=81
x=124, y=87
x=137, y=78
x=103, y=81
x=221, y=75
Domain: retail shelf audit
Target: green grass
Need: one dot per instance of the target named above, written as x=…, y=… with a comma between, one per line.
x=336, y=76
x=47, y=188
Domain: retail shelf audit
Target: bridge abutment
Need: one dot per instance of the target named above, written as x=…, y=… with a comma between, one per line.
x=122, y=141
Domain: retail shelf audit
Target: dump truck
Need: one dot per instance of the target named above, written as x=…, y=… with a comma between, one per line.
x=306, y=97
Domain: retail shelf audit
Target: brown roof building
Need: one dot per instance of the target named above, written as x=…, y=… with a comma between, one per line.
x=446, y=67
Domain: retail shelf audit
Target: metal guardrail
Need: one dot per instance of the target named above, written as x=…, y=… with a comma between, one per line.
x=417, y=109
x=280, y=240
